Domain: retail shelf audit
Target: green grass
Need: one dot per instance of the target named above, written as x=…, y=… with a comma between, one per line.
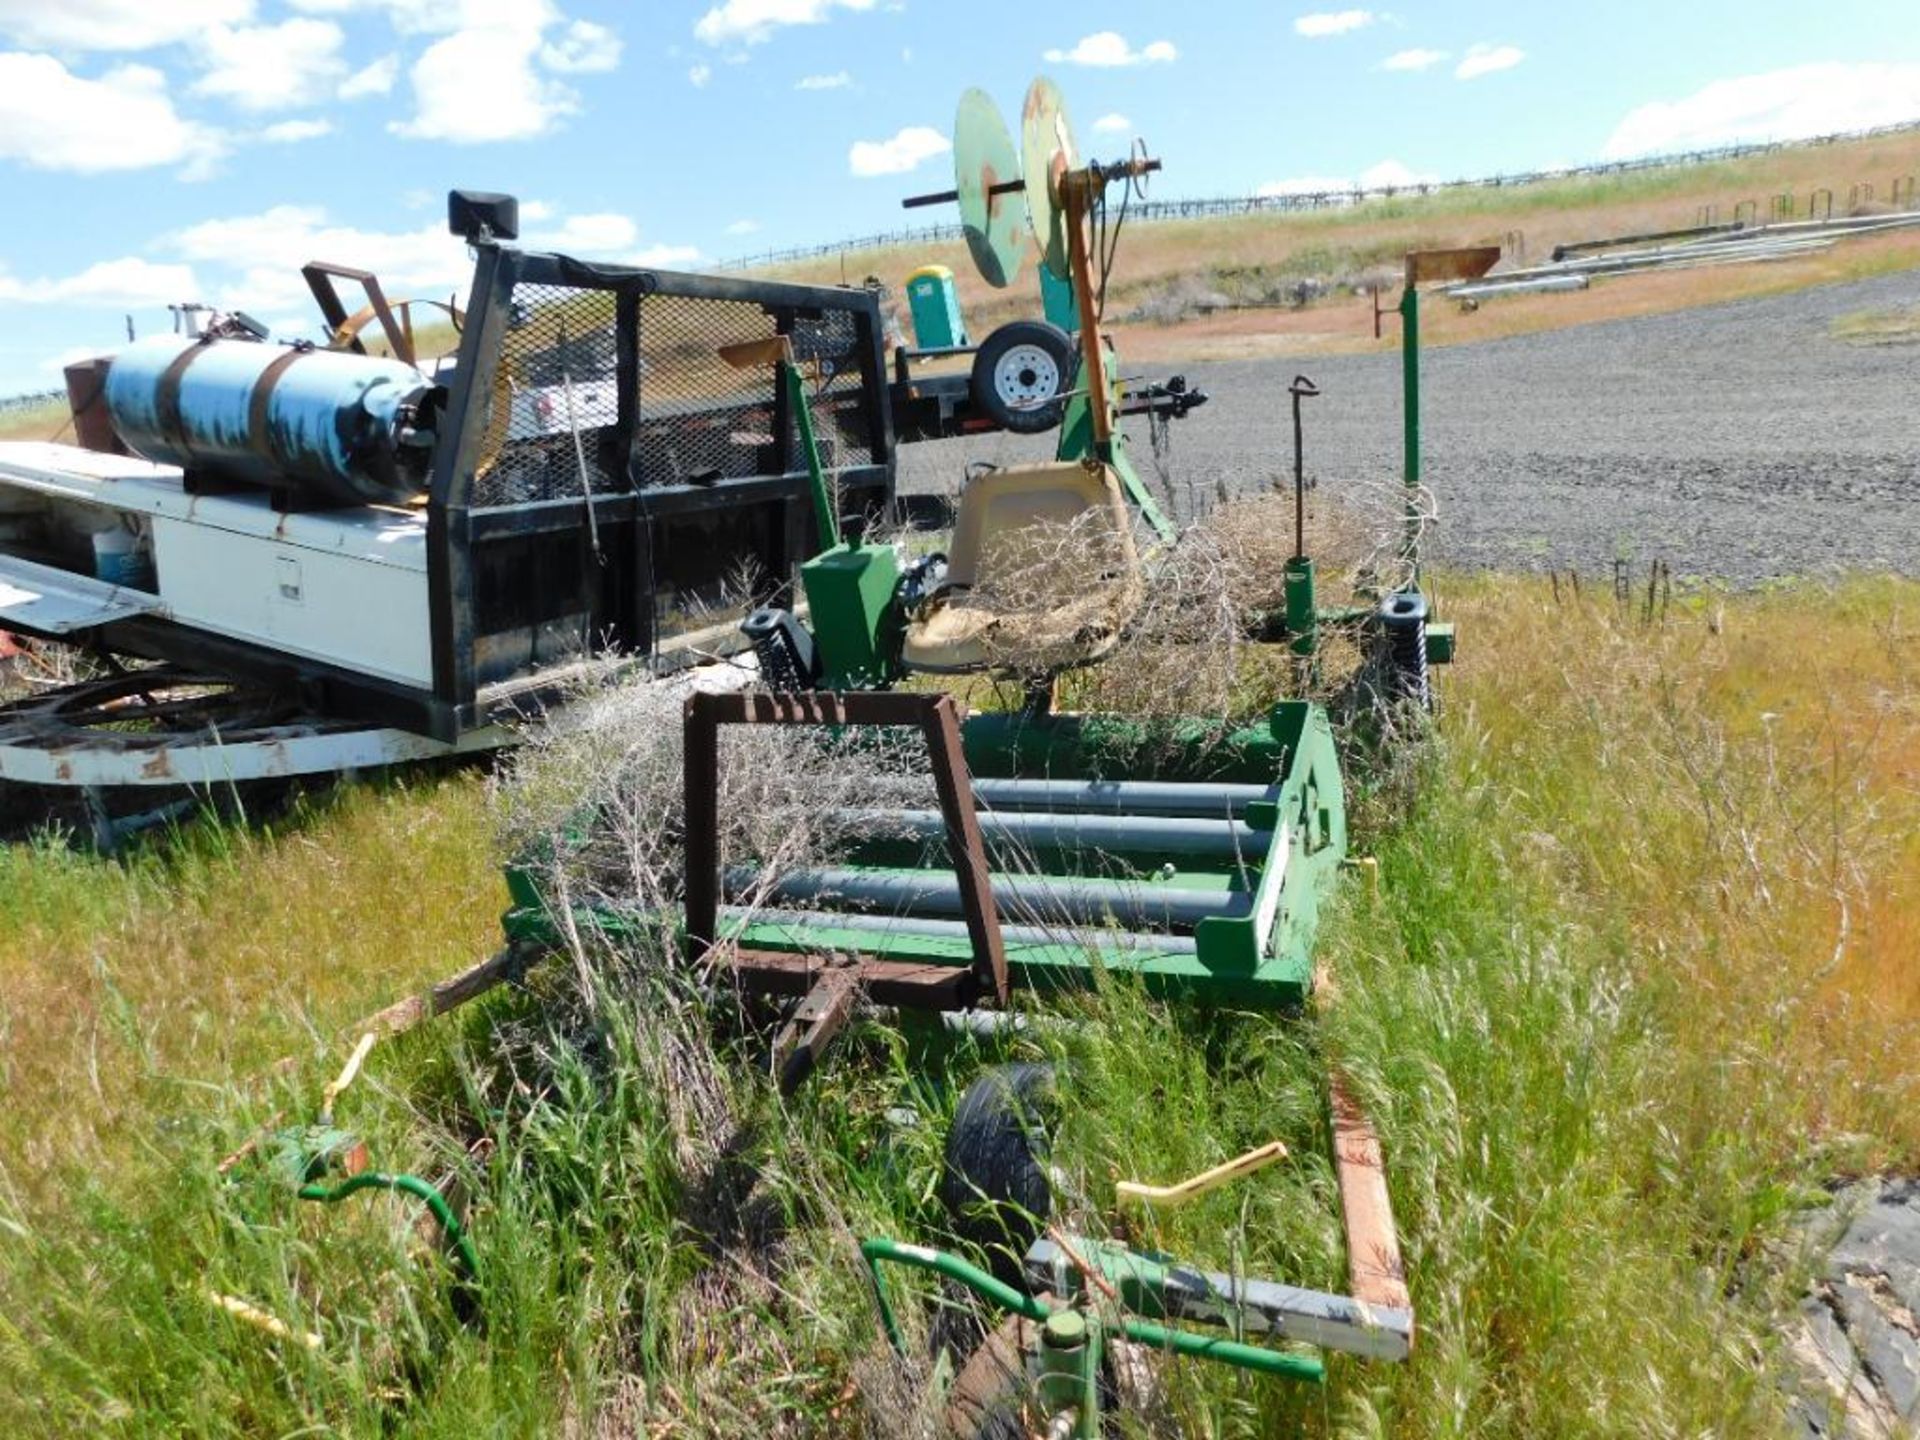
x=35, y=422
x=1594, y=1011
x=1900, y=326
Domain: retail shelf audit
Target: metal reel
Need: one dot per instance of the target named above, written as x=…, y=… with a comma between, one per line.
x=984, y=165
x=346, y=334
x=1049, y=152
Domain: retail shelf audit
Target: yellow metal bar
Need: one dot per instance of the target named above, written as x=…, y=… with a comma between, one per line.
x=1168, y=1196
x=345, y=1077
x=253, y=1315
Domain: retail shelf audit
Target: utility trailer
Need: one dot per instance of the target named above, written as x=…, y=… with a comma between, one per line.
x=379, y=555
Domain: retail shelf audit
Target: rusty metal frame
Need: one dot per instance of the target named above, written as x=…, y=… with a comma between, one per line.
x=889, y=982
x=320, y=275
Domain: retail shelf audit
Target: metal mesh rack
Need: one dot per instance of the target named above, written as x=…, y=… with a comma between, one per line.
x=617, y=475
x=558, y=373
x=696, y=418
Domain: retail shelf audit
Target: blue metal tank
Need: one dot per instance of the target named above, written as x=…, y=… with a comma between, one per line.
x=327, y=425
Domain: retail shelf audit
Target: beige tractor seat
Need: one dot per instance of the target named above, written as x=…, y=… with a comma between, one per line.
x=1042, y=574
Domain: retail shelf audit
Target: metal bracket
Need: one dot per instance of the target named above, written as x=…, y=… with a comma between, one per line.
x=938, y=719
x=814, y=1024
x=320, y=275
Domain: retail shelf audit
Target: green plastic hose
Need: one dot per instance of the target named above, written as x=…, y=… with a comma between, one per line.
x=420, y=1190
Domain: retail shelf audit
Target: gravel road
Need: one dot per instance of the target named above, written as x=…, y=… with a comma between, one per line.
x=1737, y=441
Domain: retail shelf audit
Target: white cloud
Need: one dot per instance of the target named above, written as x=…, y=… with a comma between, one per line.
x=57, y=364
x=288, y=132
x=583, y=48
x=1332, y=22
x=699, y=75
x=116, y=284
x=1108, y=48
x=663, y=257
x=1115, y=124
x=52, y=119
x=262, y=255
x=255, y=259
x=839, y=80
x=1387, y=175
x=743, y=227
x=751, y=22
x=1415, y=59
x=599, y=234
x=483, y=81
x=1392, y=175
x=1818, y=99
x=910, y=148
x=1486, y=59
x=115, y=24
x=271, y=67
x=375, y=79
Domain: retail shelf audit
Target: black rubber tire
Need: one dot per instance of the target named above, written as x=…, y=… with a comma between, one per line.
x=995, y=1183
x=1024, y=419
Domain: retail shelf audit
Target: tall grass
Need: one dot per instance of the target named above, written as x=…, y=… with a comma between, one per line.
x=1606, y=1011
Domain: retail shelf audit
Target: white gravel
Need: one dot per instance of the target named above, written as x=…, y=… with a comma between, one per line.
x=1736, y=441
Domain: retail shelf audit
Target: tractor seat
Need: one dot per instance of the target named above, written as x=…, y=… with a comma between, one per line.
x=1041, y=575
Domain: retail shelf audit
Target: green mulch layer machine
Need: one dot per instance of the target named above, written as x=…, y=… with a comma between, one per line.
x=1064, y=848
x=1185, y=857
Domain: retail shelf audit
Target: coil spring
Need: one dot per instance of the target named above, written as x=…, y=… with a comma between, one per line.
x=1403, y=615
x=783, y=648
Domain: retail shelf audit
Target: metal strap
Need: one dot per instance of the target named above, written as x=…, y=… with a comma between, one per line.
x=259, y=433
x=166, y=399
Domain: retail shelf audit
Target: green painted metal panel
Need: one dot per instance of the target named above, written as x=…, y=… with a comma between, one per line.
x=850, y=594
x=1057, y=301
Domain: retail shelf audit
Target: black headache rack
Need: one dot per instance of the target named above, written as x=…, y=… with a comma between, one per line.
x=614, y=484
x=604, y=484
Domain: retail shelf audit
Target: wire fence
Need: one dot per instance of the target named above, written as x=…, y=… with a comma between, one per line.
x=1295, y=201
x=11, y=403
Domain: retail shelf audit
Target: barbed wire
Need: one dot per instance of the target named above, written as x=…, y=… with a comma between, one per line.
x=1162, y=210
x=9, y=403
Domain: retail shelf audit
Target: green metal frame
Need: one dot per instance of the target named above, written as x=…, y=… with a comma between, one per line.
x=1261, y=959
x=1077, y=442
x=1073, y=1338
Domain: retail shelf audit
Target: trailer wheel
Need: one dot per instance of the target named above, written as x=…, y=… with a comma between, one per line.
x=1022, y=374
x=995, y=1184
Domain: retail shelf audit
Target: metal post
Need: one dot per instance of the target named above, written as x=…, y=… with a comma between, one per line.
x=1410, y=405
x=825, y=512
x=1298, y=576
x=1301, y=389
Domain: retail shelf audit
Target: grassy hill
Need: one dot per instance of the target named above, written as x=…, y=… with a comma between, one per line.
x=1255, y=262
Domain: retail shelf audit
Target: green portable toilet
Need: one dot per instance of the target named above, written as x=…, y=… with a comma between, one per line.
x=935, y=302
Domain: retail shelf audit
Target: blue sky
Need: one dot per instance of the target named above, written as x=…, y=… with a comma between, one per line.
x=157, y=150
